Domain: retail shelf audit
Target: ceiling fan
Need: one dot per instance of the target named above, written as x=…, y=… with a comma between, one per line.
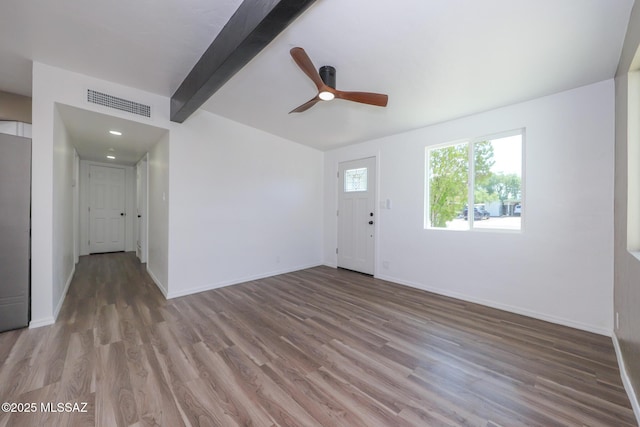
x=325, y=80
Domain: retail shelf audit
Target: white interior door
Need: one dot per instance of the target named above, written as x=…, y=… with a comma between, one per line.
x=106, y=209
x=356, y=215
x=141, y=210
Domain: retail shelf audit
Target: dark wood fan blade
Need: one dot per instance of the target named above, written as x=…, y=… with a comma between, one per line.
x=377, y=99
x=304, y=62
x=304, y=107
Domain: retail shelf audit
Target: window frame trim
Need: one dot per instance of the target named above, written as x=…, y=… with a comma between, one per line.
x=471, y=179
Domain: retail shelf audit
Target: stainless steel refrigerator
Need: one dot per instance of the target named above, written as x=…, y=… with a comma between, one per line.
x=15, y=224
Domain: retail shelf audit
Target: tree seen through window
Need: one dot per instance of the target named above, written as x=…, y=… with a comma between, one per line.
x=495, y=176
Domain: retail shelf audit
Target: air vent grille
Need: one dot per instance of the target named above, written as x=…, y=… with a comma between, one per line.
x=118, y=103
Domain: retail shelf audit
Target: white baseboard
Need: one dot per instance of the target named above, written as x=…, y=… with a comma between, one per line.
x=64, y=293
x=222, y=284
x=46, y=321
x=512, y=309
x=626, y=381
x=157, y=282
x=41, y=322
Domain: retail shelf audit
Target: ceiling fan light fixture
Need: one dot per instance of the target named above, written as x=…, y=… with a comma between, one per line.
x=326, y=95
x=325, y=81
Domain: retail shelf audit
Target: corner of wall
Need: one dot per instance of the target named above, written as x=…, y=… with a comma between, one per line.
x=626, y=380
x=157, y=282
x=58, y=307
x=39, y=323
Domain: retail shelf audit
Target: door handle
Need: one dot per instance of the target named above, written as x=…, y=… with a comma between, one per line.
x=370, y=222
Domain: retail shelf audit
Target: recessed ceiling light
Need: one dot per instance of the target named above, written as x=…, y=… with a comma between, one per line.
x=115, y=132
x=111, y=157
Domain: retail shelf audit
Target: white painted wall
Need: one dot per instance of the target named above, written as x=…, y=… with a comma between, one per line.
x=85, y=199
x=63, y=216
x=158, y=214
x=41, y=201
x=244, y=204
x=560, y=268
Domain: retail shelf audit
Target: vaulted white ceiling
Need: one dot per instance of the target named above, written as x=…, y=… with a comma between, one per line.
x=437, y=60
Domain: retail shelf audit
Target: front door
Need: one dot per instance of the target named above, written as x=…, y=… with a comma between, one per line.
x=106, y=210
x=356, y=215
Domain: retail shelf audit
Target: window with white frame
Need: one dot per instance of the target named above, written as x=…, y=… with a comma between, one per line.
x=476, y=184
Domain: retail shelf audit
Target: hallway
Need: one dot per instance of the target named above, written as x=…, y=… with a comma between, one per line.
x=110, y=307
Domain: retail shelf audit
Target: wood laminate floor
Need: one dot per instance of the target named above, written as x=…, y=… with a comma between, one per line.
x=319, y=347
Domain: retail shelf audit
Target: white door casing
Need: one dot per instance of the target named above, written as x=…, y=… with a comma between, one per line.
x=356, y=215
x=106, y=209
x=141, y=210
